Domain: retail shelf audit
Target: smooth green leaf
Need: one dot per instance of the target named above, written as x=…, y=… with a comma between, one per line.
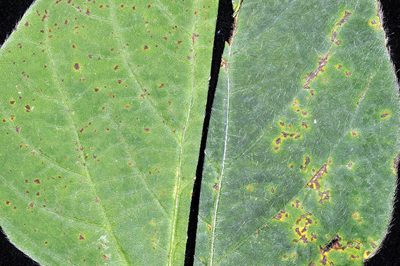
x=303, y=138
x=102, y=106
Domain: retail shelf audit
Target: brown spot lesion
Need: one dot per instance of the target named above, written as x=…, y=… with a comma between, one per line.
x=385, y=115
x=224, y=64
x=345, y=17
x=81, y=237
x=307, y=161
x=215, y=186
x=76, y=66
x=356, y=216
x=194, y=36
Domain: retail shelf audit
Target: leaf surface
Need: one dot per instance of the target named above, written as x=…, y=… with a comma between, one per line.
x=102, y=105
x=303, y=138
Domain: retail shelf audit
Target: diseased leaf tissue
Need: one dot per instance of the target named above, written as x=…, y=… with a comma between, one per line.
x=102, y=105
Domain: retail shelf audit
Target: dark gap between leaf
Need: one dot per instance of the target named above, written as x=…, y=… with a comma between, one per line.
x=223, y=32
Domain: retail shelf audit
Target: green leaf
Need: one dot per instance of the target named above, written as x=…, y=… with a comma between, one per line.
x=303, y=138
x=102, y=105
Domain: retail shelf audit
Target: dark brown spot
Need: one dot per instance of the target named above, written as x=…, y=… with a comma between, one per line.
x=278, y=141
x=28, y=108
x=76, y=66
x=161, y=85
x=96, y=89
x=73, y=46
x=147, y=129
x=384, y=115
x=81, y=237
x=12, y=102
x=26, y=24
x=145, y=47
x=17, y=129
x=36, y=181
x=116, y=67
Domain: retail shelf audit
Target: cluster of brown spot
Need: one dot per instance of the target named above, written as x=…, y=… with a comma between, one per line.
x=301, y=228
x=296, y=204
x=333, y=244
x=321, y=64
x=85, y=127
x=285, y=135
x=314, y=184
x=282, y=214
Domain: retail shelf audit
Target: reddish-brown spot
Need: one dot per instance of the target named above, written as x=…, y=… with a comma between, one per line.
x=36, y=181
x=17, y=129
x=147, y=129
x=148, y=6
x=28, y=108
x=119, y=81
x=76, y=66
x=12, y=102
x=37, y=194
x=26, y=24
x=145, y=47
x=161, y=85
x=116, y=67
x=81, y=237
x=96, y=89
x=348, y=73
x=134, y=7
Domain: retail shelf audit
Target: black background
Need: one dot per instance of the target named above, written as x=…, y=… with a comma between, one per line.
x=11, y=11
